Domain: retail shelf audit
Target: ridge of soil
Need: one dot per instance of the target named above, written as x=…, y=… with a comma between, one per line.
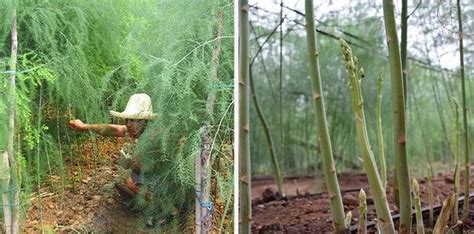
x=306, y=207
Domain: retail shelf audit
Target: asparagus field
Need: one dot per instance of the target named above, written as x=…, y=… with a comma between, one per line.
x=361, y=116
x=116, y=116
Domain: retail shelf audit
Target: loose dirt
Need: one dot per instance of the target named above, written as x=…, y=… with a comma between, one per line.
x=86, y=202
x=306, y=208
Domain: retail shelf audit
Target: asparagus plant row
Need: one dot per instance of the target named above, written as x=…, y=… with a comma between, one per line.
x=356, y=75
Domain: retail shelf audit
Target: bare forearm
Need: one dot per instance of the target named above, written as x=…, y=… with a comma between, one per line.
x=113, y=130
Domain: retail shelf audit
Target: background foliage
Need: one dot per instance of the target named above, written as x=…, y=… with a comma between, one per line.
x=80, y=59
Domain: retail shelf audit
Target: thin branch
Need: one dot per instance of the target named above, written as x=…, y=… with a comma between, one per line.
x=419, y=3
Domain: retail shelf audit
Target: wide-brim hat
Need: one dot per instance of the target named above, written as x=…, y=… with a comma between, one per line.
x=138, y=107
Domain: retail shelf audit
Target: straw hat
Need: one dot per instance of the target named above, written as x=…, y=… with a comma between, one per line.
x=138, y=107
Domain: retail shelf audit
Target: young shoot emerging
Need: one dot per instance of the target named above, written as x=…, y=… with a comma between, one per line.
x=420, y=229
x=356, y=74
x=362, y=212
x=457, y=159
x=378, y=117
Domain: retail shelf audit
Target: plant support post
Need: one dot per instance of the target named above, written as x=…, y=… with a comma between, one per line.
x=14, y=205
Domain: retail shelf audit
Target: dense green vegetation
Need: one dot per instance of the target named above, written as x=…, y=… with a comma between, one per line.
x=80, y=59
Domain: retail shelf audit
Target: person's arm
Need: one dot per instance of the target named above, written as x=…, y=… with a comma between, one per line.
x=114, y=130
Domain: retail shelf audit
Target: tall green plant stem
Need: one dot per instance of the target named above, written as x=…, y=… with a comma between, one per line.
x=398, y=105
x=467, y=183
x=420, y=229
x=5, y=186
x=271, y=146
x=430, y=196
x=378, y=117
x=244, y=141
x=11, y=128
x=329, y=168
x=457, y=159
x=403, y=46
x=375, y=183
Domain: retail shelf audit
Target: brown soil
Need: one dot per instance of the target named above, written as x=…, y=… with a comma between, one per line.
x=306, y=209
x=87, y=202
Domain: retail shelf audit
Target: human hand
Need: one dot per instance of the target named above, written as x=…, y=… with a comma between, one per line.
x=78, y=125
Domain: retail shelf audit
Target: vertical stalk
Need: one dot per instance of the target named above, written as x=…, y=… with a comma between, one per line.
x=197, y=174
x=11, y=128
x=243, y=131
x=403, y=47
x=378, y=117
x=430, y=196
x=329, y=168
x=5, y=189
x=420, y=229
x=467, y=183
x=457, y=159
x=205, y=161
x=380, y=198
x=443, y=218
x=362, y=212
x=282, y=140
x=398, y=102
x=266, y=129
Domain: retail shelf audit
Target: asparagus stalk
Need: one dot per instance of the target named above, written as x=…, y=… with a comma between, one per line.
x=380, y=198
x=348, y=220
x=383, y=166
x=420, y=229
x=430, y=196
x=442, y=222
x=362, y=212
x=457, y=159
x=266, y=129
x=398, y=103
x=243, y=122
x=465, y=213
x=330, y=174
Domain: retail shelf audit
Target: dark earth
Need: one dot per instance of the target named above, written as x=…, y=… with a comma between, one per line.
x=306, y=207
